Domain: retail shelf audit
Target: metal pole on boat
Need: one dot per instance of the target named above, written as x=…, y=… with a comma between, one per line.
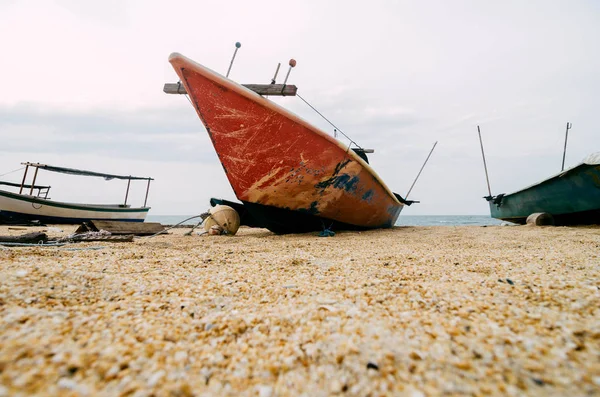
x=24, y=177
x=276, y=72
x=33, y=183
x=484, y=163
x=421, y=170
x=237, y=46
x=292, y=64
x=569, y=125
x=147, y=190
x=127, y=192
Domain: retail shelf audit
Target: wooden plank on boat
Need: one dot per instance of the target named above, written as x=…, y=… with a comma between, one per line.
x=261, y=89
x=28, y=238
x=273, y=89
x=122, y=228
x=174, y=88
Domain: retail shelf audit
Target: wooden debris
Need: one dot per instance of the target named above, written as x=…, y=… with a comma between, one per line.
x=122, y=228
x=28, y=238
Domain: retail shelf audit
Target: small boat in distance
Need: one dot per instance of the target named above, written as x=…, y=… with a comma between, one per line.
x=22, y=207
x=290, y=176
x=572, y=197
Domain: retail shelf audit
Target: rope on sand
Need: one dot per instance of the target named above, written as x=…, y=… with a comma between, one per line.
x=183, y=221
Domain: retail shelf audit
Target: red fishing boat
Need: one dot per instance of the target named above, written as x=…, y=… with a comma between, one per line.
x=290, y=176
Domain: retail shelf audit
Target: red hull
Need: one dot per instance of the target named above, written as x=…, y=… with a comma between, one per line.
x=274, y=158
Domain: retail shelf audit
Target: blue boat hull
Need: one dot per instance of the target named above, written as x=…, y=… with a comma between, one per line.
x=571, y=197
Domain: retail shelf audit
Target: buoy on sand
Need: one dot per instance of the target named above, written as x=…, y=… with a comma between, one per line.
x=222, y=220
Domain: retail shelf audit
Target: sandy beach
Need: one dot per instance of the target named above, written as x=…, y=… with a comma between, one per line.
x=408, y=311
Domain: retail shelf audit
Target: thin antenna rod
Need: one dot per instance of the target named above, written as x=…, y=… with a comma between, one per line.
x=276, y=72
x=484, y=163
x=569, y=125
x=292, y=64
x=237, y=46
x=421, y=170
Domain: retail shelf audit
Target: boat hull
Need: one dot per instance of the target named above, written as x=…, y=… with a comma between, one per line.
x=572, y=198
x=279, y=164
x=282, y=221
x=23, y=208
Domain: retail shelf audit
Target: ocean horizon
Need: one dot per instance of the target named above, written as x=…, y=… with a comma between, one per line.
x=403, y=220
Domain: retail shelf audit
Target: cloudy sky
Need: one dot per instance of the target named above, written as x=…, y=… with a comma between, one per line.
x=81, y=86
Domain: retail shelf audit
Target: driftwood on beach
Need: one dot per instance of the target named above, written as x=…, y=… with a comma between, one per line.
x=28, y=238
x=122, y=228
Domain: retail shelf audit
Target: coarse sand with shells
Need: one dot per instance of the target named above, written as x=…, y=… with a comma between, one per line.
x=413, y=311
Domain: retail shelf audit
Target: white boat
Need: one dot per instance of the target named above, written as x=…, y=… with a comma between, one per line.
x=22, y=207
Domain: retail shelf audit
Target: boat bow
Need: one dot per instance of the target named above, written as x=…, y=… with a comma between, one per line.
x=274, y=159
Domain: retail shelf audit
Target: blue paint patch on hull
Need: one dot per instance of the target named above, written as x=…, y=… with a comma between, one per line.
x=346, y=182
x=312, y=210
x=368, y=196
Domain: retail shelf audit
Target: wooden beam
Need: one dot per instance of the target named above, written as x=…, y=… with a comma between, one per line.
x=174, y=88
x=127, y=192
x=24, y=177
x=147, y=190
x=261, y=89
x=273, y=89
x=33, y=183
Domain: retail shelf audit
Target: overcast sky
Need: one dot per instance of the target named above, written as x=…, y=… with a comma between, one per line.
x=81, y=86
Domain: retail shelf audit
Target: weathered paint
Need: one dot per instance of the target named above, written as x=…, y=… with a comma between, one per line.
x=368, y=195
x=20, y=206
x=274, y=158
x=572, y=197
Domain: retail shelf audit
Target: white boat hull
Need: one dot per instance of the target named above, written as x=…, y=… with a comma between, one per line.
x=21, y=207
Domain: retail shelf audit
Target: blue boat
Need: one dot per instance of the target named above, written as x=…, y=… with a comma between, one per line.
x=572, y=197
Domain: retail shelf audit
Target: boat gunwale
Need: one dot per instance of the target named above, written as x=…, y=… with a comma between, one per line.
x=73, y=206
x=558, y=175
x=176, y=59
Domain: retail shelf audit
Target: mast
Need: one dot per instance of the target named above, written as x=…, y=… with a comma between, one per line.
x=484, y=163
x=569, y=125
x=421, y=170
x=237, y=46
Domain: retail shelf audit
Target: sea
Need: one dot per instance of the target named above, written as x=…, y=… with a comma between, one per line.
x=403, y=220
